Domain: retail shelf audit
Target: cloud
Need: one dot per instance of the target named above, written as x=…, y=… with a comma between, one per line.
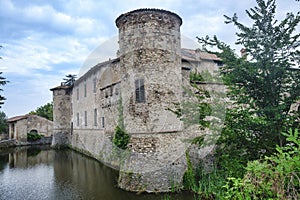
x=45, y=40
x=24, y=94
x=45, y=18
x=34, y=53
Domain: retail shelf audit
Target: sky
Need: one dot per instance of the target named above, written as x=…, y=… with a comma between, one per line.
x=44, y=40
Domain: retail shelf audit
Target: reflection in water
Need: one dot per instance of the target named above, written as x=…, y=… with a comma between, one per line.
x=42, y=173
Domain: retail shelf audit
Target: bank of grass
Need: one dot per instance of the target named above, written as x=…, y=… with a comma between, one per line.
x=273, y=177
x=205, y=185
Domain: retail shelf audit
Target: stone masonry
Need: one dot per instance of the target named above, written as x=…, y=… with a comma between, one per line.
x=19, y=126
x=140, y=88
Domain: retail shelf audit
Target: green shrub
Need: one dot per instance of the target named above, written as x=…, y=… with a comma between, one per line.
x=196, y=77
x=33, y=136
x=121, y=138
x=275, y=177
x=189, y=182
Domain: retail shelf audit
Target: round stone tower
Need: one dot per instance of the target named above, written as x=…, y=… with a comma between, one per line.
x=149, y=50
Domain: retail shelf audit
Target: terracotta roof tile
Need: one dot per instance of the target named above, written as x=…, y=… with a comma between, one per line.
x=197, y=55
x=17, y=118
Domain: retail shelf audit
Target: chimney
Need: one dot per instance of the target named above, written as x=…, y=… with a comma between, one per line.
x=243, y=53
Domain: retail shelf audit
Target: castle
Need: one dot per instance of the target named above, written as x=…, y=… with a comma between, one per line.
x=139, y=88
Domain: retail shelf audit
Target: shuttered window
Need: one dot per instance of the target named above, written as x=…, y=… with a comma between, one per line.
x=140, y=91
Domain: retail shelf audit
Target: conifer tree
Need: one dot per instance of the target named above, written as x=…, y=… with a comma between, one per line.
x=2, y=83
x=264, y=83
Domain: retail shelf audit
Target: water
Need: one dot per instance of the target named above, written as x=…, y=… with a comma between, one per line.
x=43, y=173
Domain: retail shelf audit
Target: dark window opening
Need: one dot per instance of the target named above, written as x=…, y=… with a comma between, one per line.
x=140, y=91
x=219, y=63
x=102, y=122
x=94, y=85
x=85, y=90
x=33, y=131
x=95, y=117
x=85, y=118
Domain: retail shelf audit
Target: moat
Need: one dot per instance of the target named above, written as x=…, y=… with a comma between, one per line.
x=44, y=173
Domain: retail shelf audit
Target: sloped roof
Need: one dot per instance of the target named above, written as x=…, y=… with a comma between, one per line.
x=61, y=87
x=20, y=117
x=186, y=54
x=197, y=55
x=17, y=118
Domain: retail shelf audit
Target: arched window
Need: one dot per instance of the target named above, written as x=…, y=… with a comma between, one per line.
x=33, y=131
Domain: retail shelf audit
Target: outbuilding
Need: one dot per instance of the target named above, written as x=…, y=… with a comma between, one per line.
x=20, y=126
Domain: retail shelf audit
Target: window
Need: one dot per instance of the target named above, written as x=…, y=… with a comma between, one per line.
x=85, y=118
x=117, y=88
x=102, y=122
x=140, y=91
x=77, y=93
x=94, y=85
x=111, y=91
x=219, y=63
x=77, y=120
x=106, y=93
x=84, y=89
x=95, y=117
x=34, y=131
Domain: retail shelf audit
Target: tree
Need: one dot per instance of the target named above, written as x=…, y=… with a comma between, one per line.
x=3, y=123
x=44, y=111
x=70, y=79
x=264, y=88
x=2, y=83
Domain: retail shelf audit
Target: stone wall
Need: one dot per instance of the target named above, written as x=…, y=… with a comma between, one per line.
x=20, y=132
x=153, y=162
x=41, y=125
x=7, y=143
x=3, y=136
x=149, y=41
x=97, y=144
x=62, y=112
x=106, y=96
